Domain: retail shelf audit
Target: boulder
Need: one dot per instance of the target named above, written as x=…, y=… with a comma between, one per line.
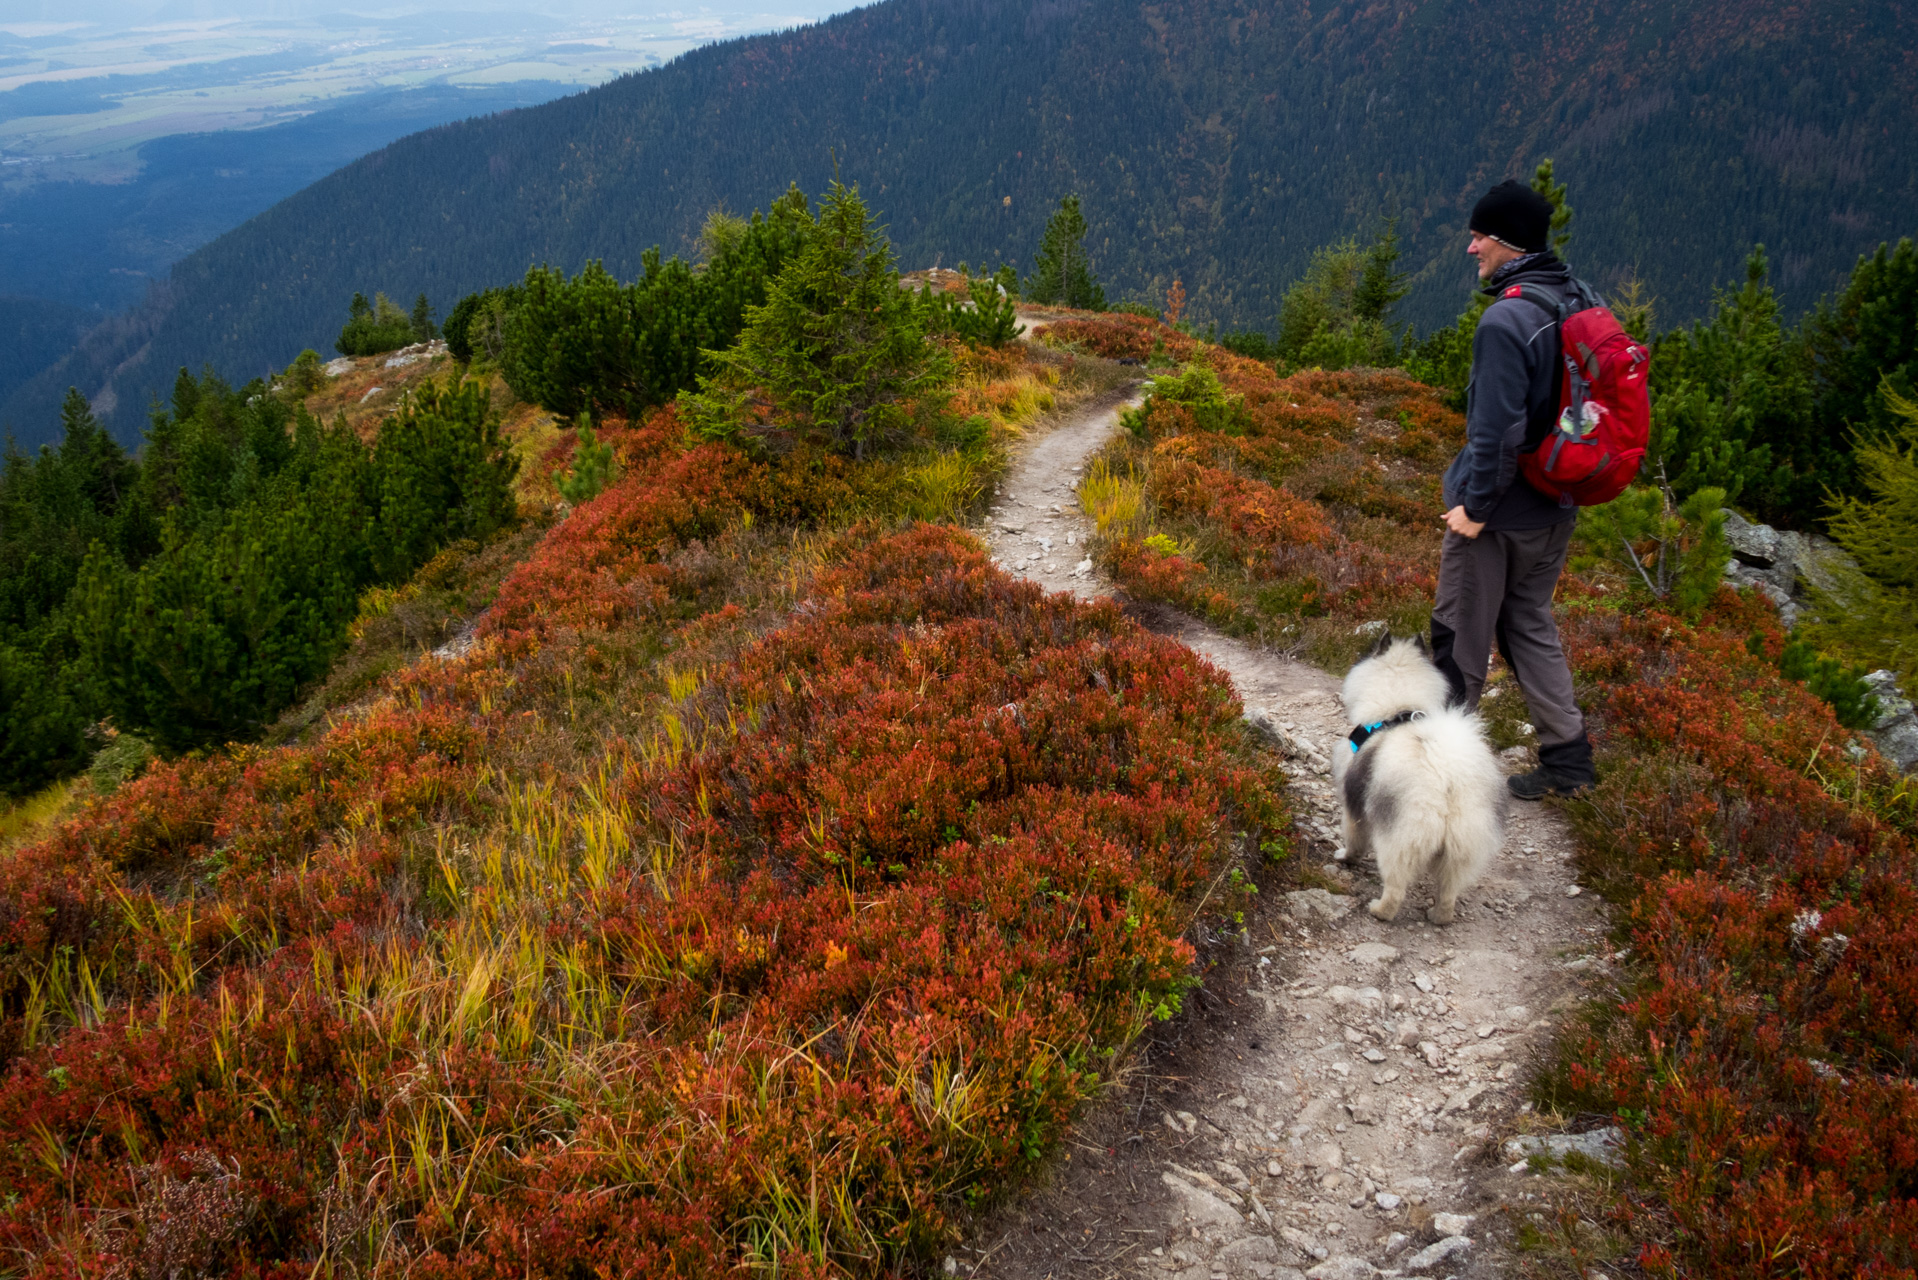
x=1448, y=1250
x=1896, y=730
x=1305, y=903
x=1600, y=1145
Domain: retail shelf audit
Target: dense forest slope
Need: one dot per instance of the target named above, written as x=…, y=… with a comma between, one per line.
x=1214, y=140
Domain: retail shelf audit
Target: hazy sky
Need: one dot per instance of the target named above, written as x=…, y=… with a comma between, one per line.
x=84, y=83
x=121, y=13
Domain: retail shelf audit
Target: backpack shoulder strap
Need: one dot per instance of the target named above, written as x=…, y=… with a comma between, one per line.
x=1546, y=300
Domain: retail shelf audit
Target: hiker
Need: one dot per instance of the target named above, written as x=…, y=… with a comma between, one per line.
x=1505, y=542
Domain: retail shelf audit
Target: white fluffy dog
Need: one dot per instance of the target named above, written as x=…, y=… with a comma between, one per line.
x=1417, y=778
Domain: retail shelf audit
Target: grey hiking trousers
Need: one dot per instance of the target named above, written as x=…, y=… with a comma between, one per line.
x=1497, y=588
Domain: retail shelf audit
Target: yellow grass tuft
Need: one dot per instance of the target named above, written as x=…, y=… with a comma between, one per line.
x=1115, y=502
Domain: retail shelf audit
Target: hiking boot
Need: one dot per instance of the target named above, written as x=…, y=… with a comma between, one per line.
x=1564, y=769
x=1544, y=781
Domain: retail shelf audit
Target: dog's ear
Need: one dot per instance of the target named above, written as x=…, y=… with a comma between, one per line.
x=1379, y=645
x=1424, y=648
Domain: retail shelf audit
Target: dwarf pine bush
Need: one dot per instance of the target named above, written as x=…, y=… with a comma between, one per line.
x=592, y=468
x=837, y=351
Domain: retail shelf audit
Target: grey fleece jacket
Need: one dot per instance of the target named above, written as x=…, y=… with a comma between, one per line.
x=1510, y=403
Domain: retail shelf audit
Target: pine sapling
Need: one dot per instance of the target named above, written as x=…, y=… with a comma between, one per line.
x=592, y=468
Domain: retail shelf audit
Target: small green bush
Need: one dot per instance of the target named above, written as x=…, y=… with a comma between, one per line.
x=592, y=468
x=837, y=350
x=1676, y=550
x=375, y=327
x=1844, y=688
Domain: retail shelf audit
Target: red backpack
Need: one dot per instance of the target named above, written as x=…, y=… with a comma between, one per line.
x=1605, y=416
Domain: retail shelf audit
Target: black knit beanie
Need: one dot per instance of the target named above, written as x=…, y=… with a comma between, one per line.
x=1516, y=214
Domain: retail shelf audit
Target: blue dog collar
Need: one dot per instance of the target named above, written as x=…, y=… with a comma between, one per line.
x=1358, y=736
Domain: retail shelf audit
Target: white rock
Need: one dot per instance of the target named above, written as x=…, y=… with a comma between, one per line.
x=1452, y=1224
x=1373, y=953
x=1305, y=903
x=1423, y=982
x=1303, y=1243
x=1343, y=1267
x=1373, y=1055
x=1201, y=1205
x=1432, y=1256
x=1600, y=1145
x=1434, y=1057
x=334, y=368
x=1234, y=1176
x=1209, y=1183
x=1408, y=1032
x=370, y=393
x=1394, y=1242
x=1387, y=1201
x=1248, y=1249
x=1367, y=999
x=1486, y=1030
x=1464, y=1098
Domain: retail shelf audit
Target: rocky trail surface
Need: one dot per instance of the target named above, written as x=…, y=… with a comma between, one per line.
x=1338, y=1103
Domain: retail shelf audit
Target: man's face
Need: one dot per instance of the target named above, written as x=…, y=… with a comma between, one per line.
x=1491, y=254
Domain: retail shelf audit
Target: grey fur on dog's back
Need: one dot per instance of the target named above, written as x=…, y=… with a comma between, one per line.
x=1379, y=809
x=1427, y=792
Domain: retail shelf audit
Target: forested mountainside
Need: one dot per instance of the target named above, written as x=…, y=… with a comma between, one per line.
x=1215, y=141
x=35, y=332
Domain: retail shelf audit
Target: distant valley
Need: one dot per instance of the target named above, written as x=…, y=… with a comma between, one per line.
x=126, y=144
x=1214, y=142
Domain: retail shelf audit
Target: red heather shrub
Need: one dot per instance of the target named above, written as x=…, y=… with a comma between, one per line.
x=1118, y=336
x=959, y=836
x=199, y=857
x=931, y=863
x=601, y=565
x=1762, y=1051
x=1289, y=511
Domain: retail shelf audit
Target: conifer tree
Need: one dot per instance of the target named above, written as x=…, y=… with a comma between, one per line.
x=422, y=320
x=1858, y=341
x=1731, y=402
x=592, y=468
x=837, y=348
x=1381, y=284
x=1062, y=273
x=1339, y=313
x=1554, y=191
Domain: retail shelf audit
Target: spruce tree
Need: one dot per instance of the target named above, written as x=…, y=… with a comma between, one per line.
x=1865, y=337
x=1545, y=185
x=837, y=349
x=422, y=320
x=1731, y=403
x=1062, y=273
x=1381, y=284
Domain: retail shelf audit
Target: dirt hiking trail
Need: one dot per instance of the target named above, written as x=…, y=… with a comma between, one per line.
x=1335, y=1101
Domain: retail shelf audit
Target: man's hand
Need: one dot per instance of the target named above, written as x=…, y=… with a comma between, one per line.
x=1463, y=525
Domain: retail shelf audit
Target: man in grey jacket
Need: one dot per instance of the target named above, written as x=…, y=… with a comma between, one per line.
x=1505, y=542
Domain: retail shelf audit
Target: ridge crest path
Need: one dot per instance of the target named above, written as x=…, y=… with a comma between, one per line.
x=1342, y=1085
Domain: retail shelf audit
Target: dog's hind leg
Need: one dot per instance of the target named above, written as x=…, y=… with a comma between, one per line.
x=1396, y=870
x=1357, y=839
x=1451, y=880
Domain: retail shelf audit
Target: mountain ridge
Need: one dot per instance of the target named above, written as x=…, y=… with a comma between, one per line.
x=1214, y=141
